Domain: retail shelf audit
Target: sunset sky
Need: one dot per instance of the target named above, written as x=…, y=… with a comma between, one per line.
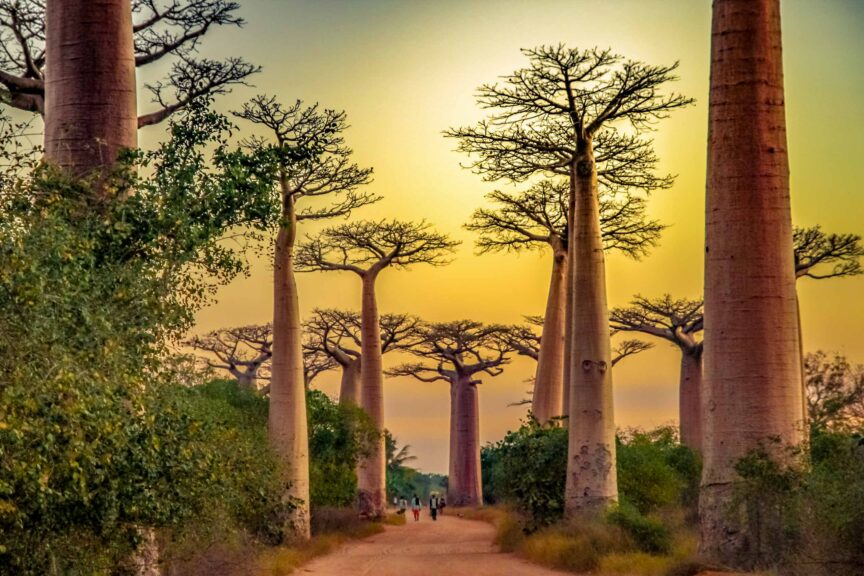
x=405, y=70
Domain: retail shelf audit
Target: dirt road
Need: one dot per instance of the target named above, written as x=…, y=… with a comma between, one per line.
x=448, y=547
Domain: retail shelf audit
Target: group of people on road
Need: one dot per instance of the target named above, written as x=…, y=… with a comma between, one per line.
x=436, y=505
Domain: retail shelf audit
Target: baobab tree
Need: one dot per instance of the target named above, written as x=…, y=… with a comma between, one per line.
x=160, y=30
x=525, y=341
x=337, y=335
x=242, y=351
x=679, y=322
x=459, y=353
x=752, y=358
x=565, y=114
x=328, y=174
x=366, y=248
x=74, y=61
x=536, y=218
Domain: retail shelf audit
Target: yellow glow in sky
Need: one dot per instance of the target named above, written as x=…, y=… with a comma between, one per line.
x=405, y=70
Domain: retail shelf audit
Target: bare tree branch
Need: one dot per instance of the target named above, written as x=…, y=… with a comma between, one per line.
x=677, y=321
x=161, y=28
x=819, y=255
x=367, y=247
x=537, y=217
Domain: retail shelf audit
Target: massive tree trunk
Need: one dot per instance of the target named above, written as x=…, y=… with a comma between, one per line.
x=549, y=380
x=371, y=482
x=287, y=418
x=752, y=351
x=247, y=381
x=90, y=108
x=592, y=482
x=467, y=490
x=690, y=398
x=349, y=388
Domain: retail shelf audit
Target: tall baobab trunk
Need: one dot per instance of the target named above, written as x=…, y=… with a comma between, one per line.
x=465, y=460
x=752, y=363
x=454, y=474
x=349, y=387
x=371, y=482
x=287, y=418
x=690, y=398
x=592, y=483
x=549, y=381
x=90, y=107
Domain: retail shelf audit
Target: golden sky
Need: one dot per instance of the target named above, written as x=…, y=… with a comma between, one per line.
x=404, y=70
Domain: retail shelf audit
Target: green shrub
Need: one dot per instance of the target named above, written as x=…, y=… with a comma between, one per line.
x=654, y=470
x=649, y=534
x=528, y=468
x=339, y=435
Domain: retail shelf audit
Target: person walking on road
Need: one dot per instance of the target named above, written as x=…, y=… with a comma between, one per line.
x=433, y=506
x=415, y=507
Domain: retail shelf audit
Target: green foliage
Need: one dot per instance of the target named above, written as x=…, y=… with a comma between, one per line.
x=96, y=438
x=528, y=468
x=654, y=470
x=339, y=435
x=806, y=519
x=649, y=534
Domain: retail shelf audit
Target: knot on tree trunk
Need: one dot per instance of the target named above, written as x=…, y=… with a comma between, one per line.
x=584, y=167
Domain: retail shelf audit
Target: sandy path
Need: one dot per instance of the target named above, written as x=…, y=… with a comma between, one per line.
x=449, y=547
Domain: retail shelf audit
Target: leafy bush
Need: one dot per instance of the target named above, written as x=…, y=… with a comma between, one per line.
x=96, y=439
x=528, y=468
x=649, y=534
x=654, y=470
x=806, y=519
x=339, y=435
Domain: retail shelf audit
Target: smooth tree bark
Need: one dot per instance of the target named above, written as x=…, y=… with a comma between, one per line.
x=337, y=334
x=99, y=37
x=244, y=352
x=537, y=218
x=458, y=353
x=561, y=115
x=752, y=358
x=680, y=323
x=367, y=248
x=313, y=163
x=90, y=101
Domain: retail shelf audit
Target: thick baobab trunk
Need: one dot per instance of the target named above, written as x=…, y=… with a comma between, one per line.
x=752, y=353
x=90, y=108
x=592, y=482
x=371, y=482
x=467, y=490
x=690, y=398
x=549, y=381
x=247, y=381
x=349, y=387
x=287, y=418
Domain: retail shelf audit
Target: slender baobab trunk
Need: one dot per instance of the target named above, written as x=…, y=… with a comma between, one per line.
x=465, y=460
x=690, y=398
x=90, y=109
x=454, y=473
x=752, y=363
x=371, y=482
x=349, y=388
x=592, y=483
x=549, y=381
x=287, y=419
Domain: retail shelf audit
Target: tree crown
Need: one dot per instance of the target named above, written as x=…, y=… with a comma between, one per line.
x=537, y=217
x=370, y=246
